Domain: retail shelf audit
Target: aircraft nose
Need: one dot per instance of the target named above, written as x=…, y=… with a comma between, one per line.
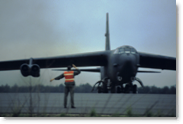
x=127, y=63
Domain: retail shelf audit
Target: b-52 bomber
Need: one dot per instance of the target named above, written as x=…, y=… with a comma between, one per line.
x=118, y=67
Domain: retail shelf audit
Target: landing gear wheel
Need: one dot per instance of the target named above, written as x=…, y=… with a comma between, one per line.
x=118, y=89
x=135, y=89
x=99, y=89
x=104, y=88
x=105, y=91
x=127, y=88
x=113, y=90
x=122, y=89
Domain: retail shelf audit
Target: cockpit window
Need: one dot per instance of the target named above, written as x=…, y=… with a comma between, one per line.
x=127, y=50
x=122, y=50
x=133, y=51
x=119, y=51
x=116, y=51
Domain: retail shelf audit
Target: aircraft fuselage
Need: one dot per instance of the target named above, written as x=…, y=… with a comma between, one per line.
x=122, y=65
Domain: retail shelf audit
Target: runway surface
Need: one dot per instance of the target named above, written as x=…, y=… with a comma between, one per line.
x=85, y=103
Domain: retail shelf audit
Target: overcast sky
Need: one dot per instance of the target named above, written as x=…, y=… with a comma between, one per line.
x=45, y=28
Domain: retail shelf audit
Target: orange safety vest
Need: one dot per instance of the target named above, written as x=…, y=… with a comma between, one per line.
x=69, y=76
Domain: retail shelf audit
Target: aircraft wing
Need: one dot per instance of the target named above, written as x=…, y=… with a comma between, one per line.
x=85, y=59
x=157, y=61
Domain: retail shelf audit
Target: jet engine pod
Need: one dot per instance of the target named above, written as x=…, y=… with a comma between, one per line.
x=24, y=68
x=35, y=70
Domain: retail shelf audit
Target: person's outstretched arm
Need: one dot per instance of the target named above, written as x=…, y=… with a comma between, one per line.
x=57, y=78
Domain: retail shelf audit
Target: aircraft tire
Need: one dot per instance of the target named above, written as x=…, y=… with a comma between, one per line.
x=99, y=89
x=104, y=88
x=113, y=90
x=118, y=89
x=134, y=89
x=127, y=88
x=105, y=91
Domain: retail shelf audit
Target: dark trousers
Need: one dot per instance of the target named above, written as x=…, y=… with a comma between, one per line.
x=69, y=88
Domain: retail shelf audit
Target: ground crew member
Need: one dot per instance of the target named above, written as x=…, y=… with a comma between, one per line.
x=69, y=83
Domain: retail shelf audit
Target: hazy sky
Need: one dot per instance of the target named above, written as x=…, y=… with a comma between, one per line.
x=45, y=28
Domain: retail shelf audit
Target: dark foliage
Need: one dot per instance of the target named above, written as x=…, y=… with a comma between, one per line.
x=157, y=90
x=83, y=88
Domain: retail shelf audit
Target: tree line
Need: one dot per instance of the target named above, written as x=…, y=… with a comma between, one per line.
x=82, y=88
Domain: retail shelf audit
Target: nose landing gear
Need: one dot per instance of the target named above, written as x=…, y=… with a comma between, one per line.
x=130, y=89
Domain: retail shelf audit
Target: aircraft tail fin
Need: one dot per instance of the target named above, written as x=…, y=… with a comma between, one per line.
x=107, y=39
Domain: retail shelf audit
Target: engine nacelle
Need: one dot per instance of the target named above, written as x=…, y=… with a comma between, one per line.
x=25, y=70
x=33, y=70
